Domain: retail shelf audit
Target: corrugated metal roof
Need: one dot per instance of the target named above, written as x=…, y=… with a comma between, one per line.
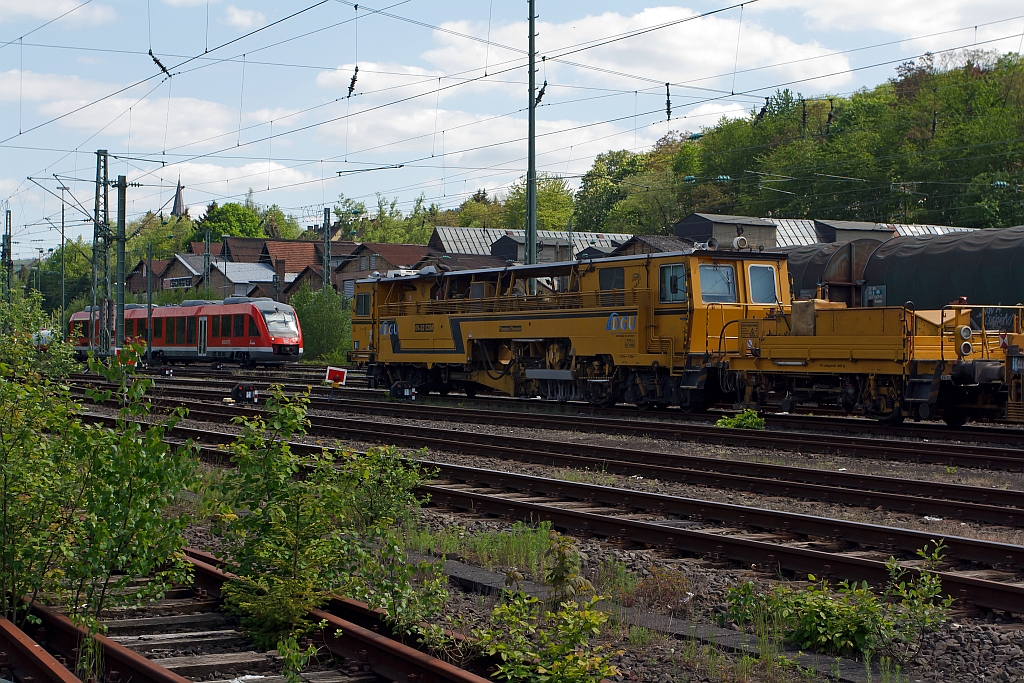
x=246, y=272
x=919, y=230
x=479, y=240
x=794, y=232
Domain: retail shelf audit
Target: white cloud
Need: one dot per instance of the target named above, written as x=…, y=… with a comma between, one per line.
x=46, y=10
x=243, y=19
x=904, y=17
x=701, y=52
x=710, y=113
x=200, y=178
x=44, y=87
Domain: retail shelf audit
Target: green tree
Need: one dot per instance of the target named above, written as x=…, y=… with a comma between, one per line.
x=480, y=211
x=326, y=324
x=554, y=204
x=602, y=186
x=236, y=220
x=391, y=225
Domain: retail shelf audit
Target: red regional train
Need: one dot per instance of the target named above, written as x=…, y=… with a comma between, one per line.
x=242, y=330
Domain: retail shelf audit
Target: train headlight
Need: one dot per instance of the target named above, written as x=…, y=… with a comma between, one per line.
x=965, y=349
x=964, y=332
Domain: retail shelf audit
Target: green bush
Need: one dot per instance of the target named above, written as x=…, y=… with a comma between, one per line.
x=748, y=419
x=555, y=649
x=326, y=323
x=851, y=619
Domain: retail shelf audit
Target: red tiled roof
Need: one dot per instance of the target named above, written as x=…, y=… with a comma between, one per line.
x=200, y=248
x=398, y=255
x=245, y=249
x=296, y=255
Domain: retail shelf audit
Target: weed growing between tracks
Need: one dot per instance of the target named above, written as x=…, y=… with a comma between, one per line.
x=522, y=547
x=297, y=529
x=851, y=619
x=748, y=419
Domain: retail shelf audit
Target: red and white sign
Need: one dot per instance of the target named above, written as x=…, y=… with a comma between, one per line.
x=336, y=376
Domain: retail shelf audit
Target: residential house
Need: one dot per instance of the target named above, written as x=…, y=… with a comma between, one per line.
x=184, y=271
x=311, y=276
x=246, y=279
x=371, y=257
x=137, y=280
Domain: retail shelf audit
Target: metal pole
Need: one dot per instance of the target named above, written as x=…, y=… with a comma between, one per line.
x=122, y=206
x=531, y=171
x=327, y=247
x=149, y=302
x=8, y=260
x=206, y=262
x=93, y=311
x=63, y=299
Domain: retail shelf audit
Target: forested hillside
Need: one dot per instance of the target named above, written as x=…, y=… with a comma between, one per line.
x=942, y=145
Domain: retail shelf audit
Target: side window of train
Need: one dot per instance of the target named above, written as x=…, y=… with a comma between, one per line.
x=717, y=283
x=239, y=326
x=363, y=304
x=170, y=330
x=673, y=283
x=129, y=328
x=179, y=324
x=762, y=285
x=254, y=331
x=215, y=332
x=612, y=280
x=225, y=325
x=190, y=330
x=158, y=327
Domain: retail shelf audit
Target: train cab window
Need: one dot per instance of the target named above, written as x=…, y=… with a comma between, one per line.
x=254, y=330
x=215, y=323
x=762, y=285
x=363, y=304
x=239, y=330
x=179, y=324
x=717, y=283
x=190, y=327
x=158, y=327
x=673, y=283
x=612, y=280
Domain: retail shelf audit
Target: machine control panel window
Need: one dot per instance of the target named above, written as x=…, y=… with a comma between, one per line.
x=362, y=304
x=717, y=283
x=611, y=278
x=762, y=285
x=673, y=283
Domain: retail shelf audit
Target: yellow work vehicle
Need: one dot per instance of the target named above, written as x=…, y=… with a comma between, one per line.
x=645, y=329
x=889, y=362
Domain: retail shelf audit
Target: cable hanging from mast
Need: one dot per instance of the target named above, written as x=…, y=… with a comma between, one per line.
x=355, y=73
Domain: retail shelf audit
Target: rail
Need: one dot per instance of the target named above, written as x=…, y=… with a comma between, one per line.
x=23, y=659
x=344, y=638
x=65, y=638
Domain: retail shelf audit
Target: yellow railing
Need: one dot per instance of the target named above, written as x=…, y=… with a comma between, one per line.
x=631, y=298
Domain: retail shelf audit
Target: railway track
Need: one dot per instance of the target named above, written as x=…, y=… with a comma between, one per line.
x=949, y=454
x=369, y=401
x=184, y=638
x=984, y=573
x=954, y=501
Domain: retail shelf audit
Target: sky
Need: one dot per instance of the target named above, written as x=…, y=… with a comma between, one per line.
x=258, y=93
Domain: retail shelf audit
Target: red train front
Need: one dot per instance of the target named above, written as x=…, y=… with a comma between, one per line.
x=237, y=330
